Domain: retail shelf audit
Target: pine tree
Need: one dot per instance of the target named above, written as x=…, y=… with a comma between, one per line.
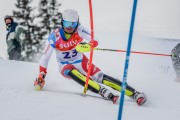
x=44, y=17
x=48, y=18
x=56, y=16
x=49, y=15
x=31, y=43
x=38, y=26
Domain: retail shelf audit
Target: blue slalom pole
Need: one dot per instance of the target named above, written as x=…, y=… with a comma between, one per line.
x=127, y=60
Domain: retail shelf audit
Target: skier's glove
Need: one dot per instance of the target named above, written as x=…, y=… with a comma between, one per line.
x=42, y=73
x=40, y=80
x=41, y=76
x=86, y=47
x=93, y=43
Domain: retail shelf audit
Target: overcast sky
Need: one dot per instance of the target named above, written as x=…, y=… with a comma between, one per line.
x=155, y=18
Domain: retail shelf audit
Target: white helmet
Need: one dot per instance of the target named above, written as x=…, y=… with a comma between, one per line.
x=70, y=15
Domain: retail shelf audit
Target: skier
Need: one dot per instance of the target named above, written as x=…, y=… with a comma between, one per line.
x=74, y=64
x=12, y=38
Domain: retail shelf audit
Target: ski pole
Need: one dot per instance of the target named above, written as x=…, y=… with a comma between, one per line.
x=91, y=50
x=136, y=52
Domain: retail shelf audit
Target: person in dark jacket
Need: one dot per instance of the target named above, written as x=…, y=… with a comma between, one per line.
x=13, y=38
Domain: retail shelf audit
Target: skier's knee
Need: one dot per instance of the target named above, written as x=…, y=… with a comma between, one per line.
x=66, y=69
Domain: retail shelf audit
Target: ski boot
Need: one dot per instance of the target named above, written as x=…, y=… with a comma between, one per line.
x=105, y=93
x=139, y=98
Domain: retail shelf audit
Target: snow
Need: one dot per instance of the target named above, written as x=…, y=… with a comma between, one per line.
x=61, y=99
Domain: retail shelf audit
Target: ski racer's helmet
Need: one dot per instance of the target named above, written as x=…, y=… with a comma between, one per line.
x=70, y=18
x=70, y=15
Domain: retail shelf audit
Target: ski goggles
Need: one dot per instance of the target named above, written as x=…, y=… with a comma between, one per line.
x=69, y=24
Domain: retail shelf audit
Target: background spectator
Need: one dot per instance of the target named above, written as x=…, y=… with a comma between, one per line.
x=13, y=40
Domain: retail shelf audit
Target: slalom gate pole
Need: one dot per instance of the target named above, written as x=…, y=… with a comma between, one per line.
x=136, y=52
x=127, y=60
x=91, y=51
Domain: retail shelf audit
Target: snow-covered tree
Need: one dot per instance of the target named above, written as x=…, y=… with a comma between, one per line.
x=56, y=16
x=50, y=15
x=24, y=16
x=38, y=24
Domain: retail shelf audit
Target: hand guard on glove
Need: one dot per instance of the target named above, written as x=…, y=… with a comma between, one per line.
x=86, y=47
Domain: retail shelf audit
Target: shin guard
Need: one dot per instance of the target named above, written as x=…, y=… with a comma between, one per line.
x=117, y=85
x=81, y=79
